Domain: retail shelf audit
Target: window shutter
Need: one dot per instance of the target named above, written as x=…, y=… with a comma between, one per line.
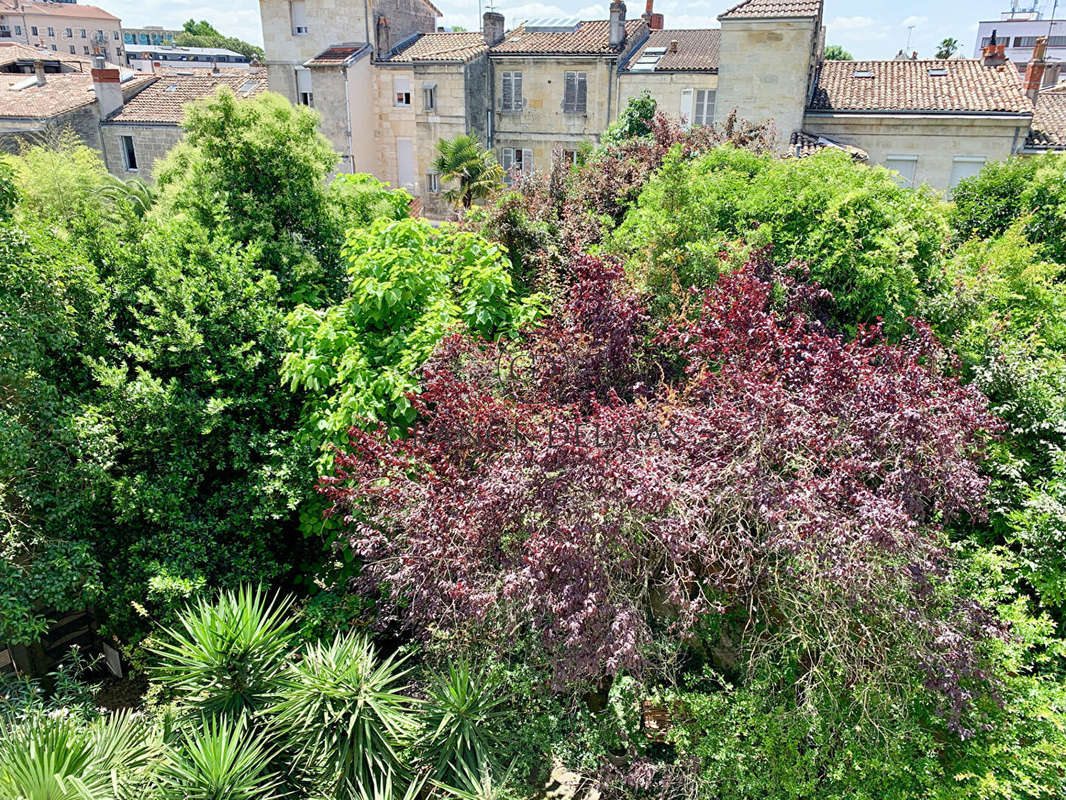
x=516, y=78
x=712, y=97
x=582, y=92
x=697, y=118
x=527, y=160
x=686, y=107
x=508, y=92
x=569, y=91
x=506, y=159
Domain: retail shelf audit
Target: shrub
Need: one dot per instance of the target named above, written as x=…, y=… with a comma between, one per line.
x=225, y=657
x=218, y=759
x=873, y=244
x=616, y=516
x=344, y=709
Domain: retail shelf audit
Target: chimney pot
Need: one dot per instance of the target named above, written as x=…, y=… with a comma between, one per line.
x=618, y=24
x=492, y=27
x=384, y=45
x=38, y=70
x=673, y=45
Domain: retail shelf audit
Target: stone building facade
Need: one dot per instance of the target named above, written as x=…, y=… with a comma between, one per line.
x=67, y=28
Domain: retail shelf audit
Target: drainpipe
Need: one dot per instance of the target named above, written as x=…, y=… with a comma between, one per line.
x=348, y=122
x=611, y=75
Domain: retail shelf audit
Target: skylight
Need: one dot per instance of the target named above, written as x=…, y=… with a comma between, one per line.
x=938, y=71
x=863, y=73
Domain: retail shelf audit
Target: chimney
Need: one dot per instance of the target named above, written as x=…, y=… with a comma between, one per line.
x=1052, y=73
x=107, y=87
x=383, y=43
x=673, y=46
x=655, y=21
x=994, y=54
x=618, y=24
x=1034, y=72
x=38, y=70
x=492, y=27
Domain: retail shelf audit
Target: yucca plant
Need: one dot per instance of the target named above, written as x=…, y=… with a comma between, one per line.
x=478, y=783
x=344, y=709
x=59, y=757
x=388, y=788
x=219, y=759
x=226, y=656
x=456, y=716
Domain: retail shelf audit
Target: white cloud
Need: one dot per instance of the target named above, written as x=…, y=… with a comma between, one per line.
x=916, y=22
x=852, y=23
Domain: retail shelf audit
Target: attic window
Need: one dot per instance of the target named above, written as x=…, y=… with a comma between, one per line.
x=248, y=86
x=938, y=72
x=171, y=88
x=863, y=73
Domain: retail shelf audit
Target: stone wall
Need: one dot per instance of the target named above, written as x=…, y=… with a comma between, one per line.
x=936, y=140
x=665, y=87
x=764, y=71
x=393, y=122
x=112, y=48
x=84, y=121
x=150, y=142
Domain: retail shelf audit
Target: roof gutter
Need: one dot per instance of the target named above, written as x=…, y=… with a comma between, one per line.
x=886, y=114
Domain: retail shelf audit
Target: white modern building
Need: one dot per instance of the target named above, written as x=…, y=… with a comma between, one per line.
x=1019, y=30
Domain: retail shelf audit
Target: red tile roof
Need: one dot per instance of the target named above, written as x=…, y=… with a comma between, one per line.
x=458, y=47
x=1048, y=131
x=591, y=38
x=759, y=9
x=960, y=85
x=697, y=51
x=805, y=144
x=11, y=52
x=62, y=92
x=65, y=10
x=163, y=103
x=337, y=54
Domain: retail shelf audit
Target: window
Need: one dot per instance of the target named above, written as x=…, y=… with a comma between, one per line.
x=906, y=166
x=73, y=49
x=304, y=94
x=70, y=33
x=402, y=88
x=83, y=33
x=516, y=158
x=18, y=30
x=53, y=47
x=298, y=13
x=1025, y=41
x=85, y=49
x=511, y=92
x=5, y=32
x=704, y=113
x=963, y=167
x=433, y=182
x=429, y=96
x=570, y=157
x=129, y=153
x=33, y=30
x=114, y=35
x=575, y=92
x=52, y=32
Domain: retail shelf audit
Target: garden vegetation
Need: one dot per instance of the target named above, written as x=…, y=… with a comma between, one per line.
x=685, y=471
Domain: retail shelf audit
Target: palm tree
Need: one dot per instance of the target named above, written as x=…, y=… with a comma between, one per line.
x=464, y=160
x=134, y=191
x=947, y=48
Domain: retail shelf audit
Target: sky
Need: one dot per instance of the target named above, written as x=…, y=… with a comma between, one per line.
x=866, y=28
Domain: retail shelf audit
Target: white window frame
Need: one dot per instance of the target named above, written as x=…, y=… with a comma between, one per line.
x=129, y=153
x=401, y=87
x=575, y=92
x=433, y=183
x=511, y=98
x=305, y=92
x=516, y=158
x=969, y=162
x=703, y=106
x=904, y=179
x=298, y=17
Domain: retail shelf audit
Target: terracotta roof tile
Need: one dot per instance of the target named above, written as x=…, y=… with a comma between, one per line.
x=11, y=52
x=65, y=10
x=591, y=38
x=805, y=144
x=337, y=54
x=164, y=101
x=1048, y=130
x=960, y=85
x=458, y=47
x=62, y=92
x=757, y=9
x=697, y=51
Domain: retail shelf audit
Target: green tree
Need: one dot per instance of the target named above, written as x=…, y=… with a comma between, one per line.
x=947, y=48
x=204, y=34
x=834, y=52
x=634, y=120
x=464, y=161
